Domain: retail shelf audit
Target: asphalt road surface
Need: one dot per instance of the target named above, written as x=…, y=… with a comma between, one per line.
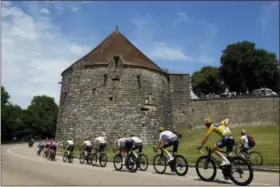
x=21, y=166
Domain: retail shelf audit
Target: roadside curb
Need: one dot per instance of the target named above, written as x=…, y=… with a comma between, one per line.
x=192, y=165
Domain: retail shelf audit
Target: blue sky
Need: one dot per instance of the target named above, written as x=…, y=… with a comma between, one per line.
x=181, y=36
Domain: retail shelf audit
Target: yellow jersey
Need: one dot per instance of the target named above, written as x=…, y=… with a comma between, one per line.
x=220, y=128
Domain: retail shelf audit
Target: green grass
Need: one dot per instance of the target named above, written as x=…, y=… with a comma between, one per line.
x=266, y=137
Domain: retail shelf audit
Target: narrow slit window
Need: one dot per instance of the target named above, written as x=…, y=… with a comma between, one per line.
x=139, y=81
x=105, y=80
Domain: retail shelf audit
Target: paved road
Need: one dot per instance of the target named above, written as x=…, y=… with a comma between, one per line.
x=21, y=166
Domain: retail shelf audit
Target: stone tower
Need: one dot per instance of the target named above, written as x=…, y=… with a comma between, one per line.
x=116, y=89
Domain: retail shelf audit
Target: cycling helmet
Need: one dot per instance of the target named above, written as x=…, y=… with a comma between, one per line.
x=243, y=132
x=161, y=129
x=207, y=122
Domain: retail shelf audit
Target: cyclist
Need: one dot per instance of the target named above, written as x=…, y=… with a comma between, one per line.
x=41, y=146
x=244, y=142
x=138, y=143
x=166, y=139
x=88, y=146
x=48, y=145
x=227, y=140
x=70, y=145
x=100, y=144
x=54, y=145
x=125, y=145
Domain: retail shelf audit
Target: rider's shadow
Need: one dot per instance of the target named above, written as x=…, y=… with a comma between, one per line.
x=163, y=173
x=215, y=180
x=124, y=170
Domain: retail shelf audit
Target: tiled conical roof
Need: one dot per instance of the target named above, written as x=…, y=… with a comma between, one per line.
x=117, y=44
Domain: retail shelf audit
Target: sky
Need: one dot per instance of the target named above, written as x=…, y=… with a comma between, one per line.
x=41, y=39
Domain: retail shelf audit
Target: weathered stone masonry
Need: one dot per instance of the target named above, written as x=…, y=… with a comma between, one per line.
x=115, y=88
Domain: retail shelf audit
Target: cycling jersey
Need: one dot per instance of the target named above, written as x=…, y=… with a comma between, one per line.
x=70, y=142
x=220, y=128
x=100, y=140
x=245, y=141
x=166, y=136
x=87, y=143
x=121, y=142
x=136, y=139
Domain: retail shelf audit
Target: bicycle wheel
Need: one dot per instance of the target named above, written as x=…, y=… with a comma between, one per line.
x=118, y=160
x=70, y=158
x=82, y=158
x=239, y=165
x=65, y=157
x=89, y=158
x=103, y=160
x=256, y=158
x=207, y=164
x=180, y=163
x=131, y=163
x=93, y=159
x=143, y=162
x=161, y=162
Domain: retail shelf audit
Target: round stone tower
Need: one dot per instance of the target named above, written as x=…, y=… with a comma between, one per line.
x=115, y=89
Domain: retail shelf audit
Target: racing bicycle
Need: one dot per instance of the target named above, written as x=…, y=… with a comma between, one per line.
x=180, y=163
x=237, y=164
x=130, y=162
x=253, y=157
x=68, y=156
x=85, y=156
x=102, y=158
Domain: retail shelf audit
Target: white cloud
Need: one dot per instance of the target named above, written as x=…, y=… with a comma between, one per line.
x=34, y=53
x=144, y=38
x=181, y=17
x=268, y=12
x=161, y=51
x=45, y=11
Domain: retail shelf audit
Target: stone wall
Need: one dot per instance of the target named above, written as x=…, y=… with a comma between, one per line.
x=94, y=100
x=179, y=91
x=250, y=111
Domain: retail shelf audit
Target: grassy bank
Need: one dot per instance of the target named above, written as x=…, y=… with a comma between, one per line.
x=267, y=143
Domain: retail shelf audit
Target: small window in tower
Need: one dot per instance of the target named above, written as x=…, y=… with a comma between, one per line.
x=139, y=81
x=93, y=90
x=116, y=61
x=111, y=98
x=105, y=80
x=181, y=76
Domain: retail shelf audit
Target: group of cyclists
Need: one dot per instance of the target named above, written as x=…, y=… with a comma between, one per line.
x=166, y=139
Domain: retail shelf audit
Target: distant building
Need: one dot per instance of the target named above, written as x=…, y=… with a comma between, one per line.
x=117, y=89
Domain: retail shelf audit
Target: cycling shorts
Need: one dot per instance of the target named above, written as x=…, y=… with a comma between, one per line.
x=226, y=141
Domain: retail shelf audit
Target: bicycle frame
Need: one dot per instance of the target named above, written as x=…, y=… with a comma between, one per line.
x=163, y=152
x=210, y=156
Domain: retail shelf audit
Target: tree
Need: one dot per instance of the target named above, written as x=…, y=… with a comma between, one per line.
x=11, y=117
x=4, y=97
x=243, y=67
x=206, y=81
x=41, y=116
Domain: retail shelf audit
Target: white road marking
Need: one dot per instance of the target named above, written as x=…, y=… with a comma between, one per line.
x=106, y=169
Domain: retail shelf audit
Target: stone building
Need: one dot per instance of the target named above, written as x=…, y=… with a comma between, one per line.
x=117, y=89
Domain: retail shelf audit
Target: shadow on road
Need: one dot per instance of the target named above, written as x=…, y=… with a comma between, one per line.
x=162, y=174
x=215, y=180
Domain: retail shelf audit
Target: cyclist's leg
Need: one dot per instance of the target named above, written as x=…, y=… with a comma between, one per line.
x=166, y=145
x=140, y=148
x=175, y=146
x=220, y=144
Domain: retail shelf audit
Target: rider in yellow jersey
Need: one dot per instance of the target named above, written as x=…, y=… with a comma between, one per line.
x=222, y=130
